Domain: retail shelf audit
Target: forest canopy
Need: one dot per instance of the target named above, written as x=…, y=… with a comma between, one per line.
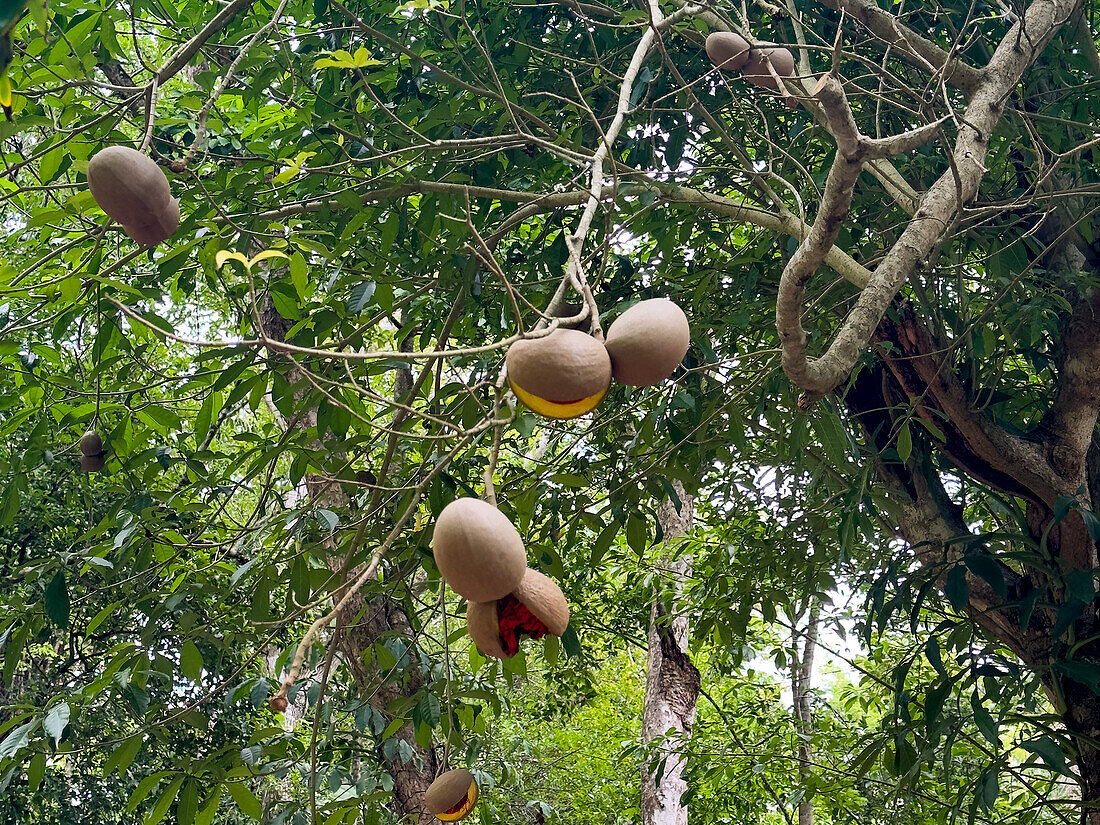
x=549, y=410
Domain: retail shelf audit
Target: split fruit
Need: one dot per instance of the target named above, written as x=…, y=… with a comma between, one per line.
x=91, y=452
x=478, y=551
x=647, y=342
x=561, y=375
x=134, y=191
x=452, y=796
x=536, y=607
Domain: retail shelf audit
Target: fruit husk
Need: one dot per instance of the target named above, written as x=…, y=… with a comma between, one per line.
x=478, y=551
x=535, y=608
x=727, y=50
x=647, y=342
x=561, y=375
x=92, y=463
x=483, y=626
x=542, y=596
x=448, y=791
x=91, y=443
x=134, y=191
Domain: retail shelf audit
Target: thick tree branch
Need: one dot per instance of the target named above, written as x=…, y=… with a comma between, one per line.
x=917, y=50
x=853, y=151
x=1071, y=422
x=930, y=522
x=939, y=205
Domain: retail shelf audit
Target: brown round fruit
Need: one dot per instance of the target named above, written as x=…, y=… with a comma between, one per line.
x=91, y=463
x=452, y=795
x=756, y=69
x=647, y=342
x=134, y=191
x=727, y=50
x=91, y=443
x=536, y=607
x=478, y=551
x=561, y=375
x=278, y=703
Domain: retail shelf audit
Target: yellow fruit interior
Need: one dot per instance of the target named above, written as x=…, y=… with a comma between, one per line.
x=463, y=808
x=552, y=409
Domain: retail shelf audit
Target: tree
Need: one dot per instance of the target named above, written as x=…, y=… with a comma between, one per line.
x=421, y=184
x=672, y=681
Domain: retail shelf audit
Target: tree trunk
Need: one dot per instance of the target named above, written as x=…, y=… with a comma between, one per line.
x=802, y=670
x=672, y=686
x=361, y=625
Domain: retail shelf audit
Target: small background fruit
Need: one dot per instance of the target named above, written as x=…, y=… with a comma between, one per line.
x=727, y=50
x=91, y=463
x=91, y=443
x=756, y=69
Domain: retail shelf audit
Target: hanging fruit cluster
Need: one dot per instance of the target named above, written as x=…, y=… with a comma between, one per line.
x=568, y=372
x=763, y=66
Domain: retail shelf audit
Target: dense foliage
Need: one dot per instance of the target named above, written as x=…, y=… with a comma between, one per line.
x=376, y=198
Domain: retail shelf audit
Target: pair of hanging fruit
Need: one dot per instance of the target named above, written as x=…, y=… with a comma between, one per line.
x=731, y=52
x=91, y=452
x=568, y=372
x=481, y=556
x=134, y=191
x=452, y=796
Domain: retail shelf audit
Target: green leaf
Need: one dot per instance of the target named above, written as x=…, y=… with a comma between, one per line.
x=210, y=807
x=36, y=771
x=360, y=296
x=188, y=805
x=987, y=725
x=143, y=789
x=905, y=442
x=17, y=739
x=298, y=274
x=56, y=720
x=956, y=588
x=285, y=300
x=160, y=810
x=637, y=534
x=1050, y=752
x=123, y=756
x=246, y=800
x=191, y=661
x=57, y=600
x=603, y=543
x=988, y=569
x=570, y=642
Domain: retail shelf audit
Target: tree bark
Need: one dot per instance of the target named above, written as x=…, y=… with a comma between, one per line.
x=802, y=670
x=361, y=624
x=672, y=685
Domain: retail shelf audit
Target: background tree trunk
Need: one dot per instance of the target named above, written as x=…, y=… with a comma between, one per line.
x=672, y=685
x=802, y=669
x=362, y=624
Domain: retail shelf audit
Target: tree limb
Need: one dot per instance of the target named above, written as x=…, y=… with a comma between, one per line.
x=939, y=205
